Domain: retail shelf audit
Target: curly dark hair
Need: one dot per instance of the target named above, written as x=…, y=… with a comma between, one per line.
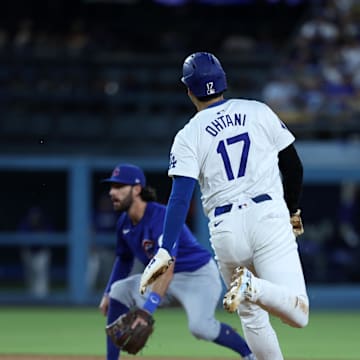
x=148, y=194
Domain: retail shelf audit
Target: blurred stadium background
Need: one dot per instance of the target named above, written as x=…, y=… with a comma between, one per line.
x=85, y=84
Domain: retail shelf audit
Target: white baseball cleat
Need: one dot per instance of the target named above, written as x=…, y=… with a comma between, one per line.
x=240, y=289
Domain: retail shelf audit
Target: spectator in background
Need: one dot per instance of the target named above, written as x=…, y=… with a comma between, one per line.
x=339, y=92
x=319, y=30
x=312, y=95
x=350, y=55
x=78, y=39
x=23, y=38
x=281, y=92
x=36, y=258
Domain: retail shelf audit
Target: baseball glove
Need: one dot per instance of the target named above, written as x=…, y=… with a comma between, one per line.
x=296, y=222
x=130, y=331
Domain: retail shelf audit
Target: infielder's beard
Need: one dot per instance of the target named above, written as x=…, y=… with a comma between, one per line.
x=125, y=204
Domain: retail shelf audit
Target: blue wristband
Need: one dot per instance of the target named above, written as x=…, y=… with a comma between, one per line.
x=152, y=302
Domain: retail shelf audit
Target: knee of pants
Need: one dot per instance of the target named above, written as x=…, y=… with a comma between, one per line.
x=302, y=316
x=121, y=291
x=299, y=318
x=205, y=329
x=299, y=323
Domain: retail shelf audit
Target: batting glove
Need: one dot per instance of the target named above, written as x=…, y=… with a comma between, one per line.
x=156, y=267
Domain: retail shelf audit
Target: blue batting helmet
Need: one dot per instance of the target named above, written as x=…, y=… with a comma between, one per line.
x=203, y=74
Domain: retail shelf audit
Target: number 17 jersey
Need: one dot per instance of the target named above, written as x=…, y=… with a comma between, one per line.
x=232, y=149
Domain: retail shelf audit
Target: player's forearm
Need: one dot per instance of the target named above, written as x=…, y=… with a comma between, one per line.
x=292, y=176
x=158, y=290
x=162, y=283
x=177, y=209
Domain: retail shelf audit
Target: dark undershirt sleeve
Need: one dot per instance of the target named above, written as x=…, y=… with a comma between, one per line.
x=292, y=176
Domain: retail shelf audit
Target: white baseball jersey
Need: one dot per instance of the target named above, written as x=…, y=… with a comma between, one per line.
x=231, y=148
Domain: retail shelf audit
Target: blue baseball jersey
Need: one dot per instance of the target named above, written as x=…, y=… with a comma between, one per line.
x=142, y=240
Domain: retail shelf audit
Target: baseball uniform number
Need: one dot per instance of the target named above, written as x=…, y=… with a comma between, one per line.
x=221, y=149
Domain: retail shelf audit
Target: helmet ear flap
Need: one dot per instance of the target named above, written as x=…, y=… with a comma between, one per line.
x=203, y=74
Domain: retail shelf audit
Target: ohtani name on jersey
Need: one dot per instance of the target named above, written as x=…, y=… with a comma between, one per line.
x=225, y=121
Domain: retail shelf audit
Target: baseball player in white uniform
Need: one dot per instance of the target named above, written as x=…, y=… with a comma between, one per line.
x=250, y=177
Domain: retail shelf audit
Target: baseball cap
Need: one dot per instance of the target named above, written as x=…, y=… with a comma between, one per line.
x=127, y=174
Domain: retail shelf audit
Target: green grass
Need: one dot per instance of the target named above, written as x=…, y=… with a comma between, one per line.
x=80, y=331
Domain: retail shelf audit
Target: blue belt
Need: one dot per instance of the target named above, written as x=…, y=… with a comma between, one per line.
x=226, y=208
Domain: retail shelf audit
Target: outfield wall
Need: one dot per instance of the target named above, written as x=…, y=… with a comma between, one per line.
x=324, y=163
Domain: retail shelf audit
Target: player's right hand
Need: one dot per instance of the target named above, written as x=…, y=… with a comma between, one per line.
x=156, y=267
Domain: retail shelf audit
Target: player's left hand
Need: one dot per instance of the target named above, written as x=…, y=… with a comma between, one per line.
x=130, y=331
x=296, y=223
x=156, y=267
